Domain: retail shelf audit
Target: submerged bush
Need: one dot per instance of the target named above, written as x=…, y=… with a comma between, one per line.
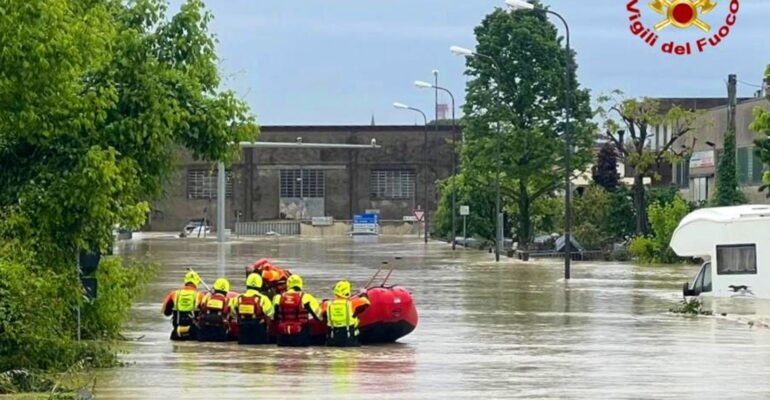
x=664, y=219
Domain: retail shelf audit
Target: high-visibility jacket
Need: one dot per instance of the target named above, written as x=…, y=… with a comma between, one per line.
x=185, y=300
x=251, y=305
x=215, y=309
x=293, y=309
x=343, y=312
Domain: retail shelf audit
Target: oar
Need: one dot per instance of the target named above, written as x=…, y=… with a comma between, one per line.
x=202, y=281
x=375, y=275
x=388, y=275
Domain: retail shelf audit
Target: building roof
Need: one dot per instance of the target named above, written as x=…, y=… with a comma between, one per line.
x=350, y=128
x=695, y=103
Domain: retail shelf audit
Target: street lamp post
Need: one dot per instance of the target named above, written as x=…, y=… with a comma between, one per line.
x=402, y=106
x=426, y=85
x=499, y=237
x=522, y=5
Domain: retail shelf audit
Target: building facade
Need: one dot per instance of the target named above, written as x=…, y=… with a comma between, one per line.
x=268, y=184
x=696, y=177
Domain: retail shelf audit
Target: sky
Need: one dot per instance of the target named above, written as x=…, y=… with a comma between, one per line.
x=342, y=61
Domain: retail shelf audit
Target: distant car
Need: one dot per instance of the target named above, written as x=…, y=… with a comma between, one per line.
x=197, y=227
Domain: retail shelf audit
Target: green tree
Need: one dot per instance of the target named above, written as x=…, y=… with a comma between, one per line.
x=522, y=93
x=605, y=171
x=728, y=191
x=761, y=124
x=630, y=125
x=96, y=98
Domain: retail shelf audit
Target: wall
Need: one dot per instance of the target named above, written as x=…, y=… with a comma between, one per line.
x=256, y=175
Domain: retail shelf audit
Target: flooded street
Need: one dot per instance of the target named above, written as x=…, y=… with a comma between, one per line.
x=485, y=331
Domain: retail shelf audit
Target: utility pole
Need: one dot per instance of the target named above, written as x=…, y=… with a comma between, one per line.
x=732, y=83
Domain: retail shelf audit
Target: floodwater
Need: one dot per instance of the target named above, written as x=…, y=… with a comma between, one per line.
x=486, y=331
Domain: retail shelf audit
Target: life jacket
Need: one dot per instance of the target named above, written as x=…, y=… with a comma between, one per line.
x=249, y=309
x=214, y=310
x=340, y=314
x=292, y=314
x=185, y=304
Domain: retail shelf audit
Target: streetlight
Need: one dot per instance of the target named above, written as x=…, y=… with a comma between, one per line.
x=499, y=237
x=426, y=85
x=522, y=5
x=402, y=106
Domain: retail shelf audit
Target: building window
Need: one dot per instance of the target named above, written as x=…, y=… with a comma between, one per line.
x=202, y=184
x=391, y=184
x=750, y=167
x=737, y=260
x=302, y=183
x=700, y=189
x=757, y=169
x=682, y=177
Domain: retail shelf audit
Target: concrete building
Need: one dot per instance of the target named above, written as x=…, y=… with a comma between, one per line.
x=291, y=184
x=696, y=177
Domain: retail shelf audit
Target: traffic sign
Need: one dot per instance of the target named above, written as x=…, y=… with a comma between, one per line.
x=419, y=214
x=465, y=210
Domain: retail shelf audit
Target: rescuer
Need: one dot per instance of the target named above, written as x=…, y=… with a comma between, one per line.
x=252, y=311
x=213, y=321
x=293, y=311
x=183, y=306
x=342, y=316
x=275, y=279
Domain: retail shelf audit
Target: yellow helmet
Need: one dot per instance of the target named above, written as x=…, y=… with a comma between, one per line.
x=294, y=281
x=193, y=278
x=254, y=281
x=222, y=285
x=343, y=289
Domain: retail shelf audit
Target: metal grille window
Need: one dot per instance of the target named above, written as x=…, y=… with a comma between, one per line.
x=391, y=184
x=682, y=176
x=302, y=183
x=202, y=184
x=737, y=260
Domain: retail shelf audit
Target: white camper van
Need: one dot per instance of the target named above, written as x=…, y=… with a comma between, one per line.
x=735, y=244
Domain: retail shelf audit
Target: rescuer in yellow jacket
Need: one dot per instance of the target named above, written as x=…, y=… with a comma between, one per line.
x=183, y=306
x=342, y=316
x=293, y=310
x=252, y=311
x=215, y=310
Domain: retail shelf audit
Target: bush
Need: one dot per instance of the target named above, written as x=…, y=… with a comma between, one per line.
x=664, y=219
x=38, y=312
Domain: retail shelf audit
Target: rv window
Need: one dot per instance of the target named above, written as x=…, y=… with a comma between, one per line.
x=706, y=278
x=737, y=259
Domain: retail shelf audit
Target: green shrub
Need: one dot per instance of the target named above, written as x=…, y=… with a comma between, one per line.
x=664, y=219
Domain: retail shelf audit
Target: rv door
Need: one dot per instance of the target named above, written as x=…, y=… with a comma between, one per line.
x=702, y=282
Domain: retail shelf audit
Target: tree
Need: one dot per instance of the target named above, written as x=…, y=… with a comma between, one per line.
x=605, y=171
x=521, y=92
x=761, y=124
x=96, y=98
x=728, y=191
x=664, y=219
x=630, y=125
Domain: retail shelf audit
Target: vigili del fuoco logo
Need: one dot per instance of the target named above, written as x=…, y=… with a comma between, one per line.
x=698, y=15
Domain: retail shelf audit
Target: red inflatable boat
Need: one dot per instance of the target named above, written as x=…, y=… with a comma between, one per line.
x=391, y=315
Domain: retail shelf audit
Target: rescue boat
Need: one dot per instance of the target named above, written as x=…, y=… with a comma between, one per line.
x=391, y=315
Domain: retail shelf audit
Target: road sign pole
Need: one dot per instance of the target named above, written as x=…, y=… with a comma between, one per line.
x=465, y=232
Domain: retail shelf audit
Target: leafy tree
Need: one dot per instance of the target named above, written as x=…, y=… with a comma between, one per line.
x=630, y=125
x=96, y=98
x=728, y=191
x=605, y=171
x=761, y=124
x=480, y=222
x=520, y=90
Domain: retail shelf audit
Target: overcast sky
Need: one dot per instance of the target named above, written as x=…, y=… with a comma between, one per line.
x=340, y=61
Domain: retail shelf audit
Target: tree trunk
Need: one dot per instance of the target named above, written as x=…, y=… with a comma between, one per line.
x=640, y=204
x=525, y=223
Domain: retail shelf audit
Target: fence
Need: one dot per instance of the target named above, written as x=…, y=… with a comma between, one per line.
x=263, y=228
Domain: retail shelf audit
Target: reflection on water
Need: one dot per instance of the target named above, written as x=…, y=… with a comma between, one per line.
x=486, y=330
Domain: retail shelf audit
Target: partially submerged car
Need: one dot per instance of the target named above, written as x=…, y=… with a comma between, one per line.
x=197, y=227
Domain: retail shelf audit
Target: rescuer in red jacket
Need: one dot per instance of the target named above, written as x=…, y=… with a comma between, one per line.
x=215, y=310
x=294, y=308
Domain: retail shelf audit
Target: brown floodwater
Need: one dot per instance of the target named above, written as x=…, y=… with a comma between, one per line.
x=485, y=330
